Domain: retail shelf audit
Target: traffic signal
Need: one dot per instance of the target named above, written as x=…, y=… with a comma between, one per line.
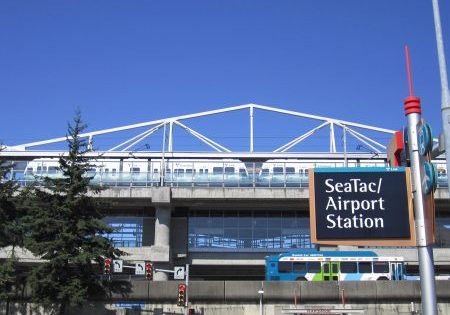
x=148, y=271
x=107, y=266
x=181, y=294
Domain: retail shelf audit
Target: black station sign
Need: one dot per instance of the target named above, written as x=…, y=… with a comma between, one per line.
x=361, y=206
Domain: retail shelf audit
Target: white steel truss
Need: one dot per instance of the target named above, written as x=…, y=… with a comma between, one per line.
x=347, y=127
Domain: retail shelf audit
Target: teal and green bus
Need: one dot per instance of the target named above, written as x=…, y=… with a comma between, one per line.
x=333, y=266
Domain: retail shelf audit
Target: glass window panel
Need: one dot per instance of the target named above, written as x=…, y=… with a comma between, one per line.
x=284, y=266
x=365, y=267
x=245, y=233
x=299, y=266
x=381, y=267
x=314, y=267
x=348, y=267
x=259, y=233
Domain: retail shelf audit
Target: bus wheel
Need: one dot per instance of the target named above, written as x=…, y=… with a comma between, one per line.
x=382, y=278
x=301, y=279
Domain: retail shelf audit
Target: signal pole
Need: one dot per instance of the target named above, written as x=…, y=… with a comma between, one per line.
x=413, y=113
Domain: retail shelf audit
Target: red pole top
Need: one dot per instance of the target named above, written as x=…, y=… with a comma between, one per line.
x=412, y=105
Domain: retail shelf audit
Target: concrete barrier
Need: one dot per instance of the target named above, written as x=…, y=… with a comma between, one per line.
x=206, y=291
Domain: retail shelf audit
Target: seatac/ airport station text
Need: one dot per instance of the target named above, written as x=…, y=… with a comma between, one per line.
x=357, y=207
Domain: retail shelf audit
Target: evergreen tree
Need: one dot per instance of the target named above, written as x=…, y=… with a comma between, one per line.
x=65, y=230
x=11, y=233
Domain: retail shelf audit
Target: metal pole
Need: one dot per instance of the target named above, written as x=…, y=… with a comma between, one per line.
x=186, y=309
x=261, y=294
x=425, y=252
x=344, y=130
x=445, y=97
x=251, y=128
x=163, y=167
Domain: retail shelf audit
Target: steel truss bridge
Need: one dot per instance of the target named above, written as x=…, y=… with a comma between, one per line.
x=127, y=148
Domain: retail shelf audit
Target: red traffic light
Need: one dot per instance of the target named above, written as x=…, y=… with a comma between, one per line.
x=148, y=271
x=181, y=294
x=107, y=266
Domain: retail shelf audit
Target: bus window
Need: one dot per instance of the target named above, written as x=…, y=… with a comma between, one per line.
x=365, y=267
x=381, y=267
x=299, y=267
x=349, y=267
x=314, y=267
x=217, y=170
x=284, y=266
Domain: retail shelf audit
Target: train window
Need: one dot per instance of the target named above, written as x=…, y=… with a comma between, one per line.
x=217, y=170
x=114, y=170
x=135, y=170
x=365, y=267
x=106, y=170
x=155, y=170
x=168, y=171
x=29, y=170
x=91, y=170
x=189, y=171
x=52, y=169
x=299, y=266
x=178, y=171
x=290, y=170
x=206, y=171
x=284, y=266
x=348, y=267
x=278, y=170
x=229, y=170
x=265, y=171
x=306, y=172
x=314, y=267
x=326, y=267
x=381, y=267
x=201, y=171
x=243, y=172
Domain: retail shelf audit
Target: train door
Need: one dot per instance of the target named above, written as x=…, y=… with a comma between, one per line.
x=330, y=271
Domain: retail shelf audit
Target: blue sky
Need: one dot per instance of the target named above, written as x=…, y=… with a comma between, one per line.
x=125, y=62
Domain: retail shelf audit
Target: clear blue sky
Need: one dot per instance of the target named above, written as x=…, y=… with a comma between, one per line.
x=125, y=62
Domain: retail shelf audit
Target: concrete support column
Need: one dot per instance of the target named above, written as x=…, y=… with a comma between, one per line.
x=162, y=226
x=161, y=249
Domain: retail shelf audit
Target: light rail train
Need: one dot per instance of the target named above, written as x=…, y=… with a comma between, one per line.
x=233, y=173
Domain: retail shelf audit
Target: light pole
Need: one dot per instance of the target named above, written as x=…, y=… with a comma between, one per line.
x=261, y=295
x=445, y=97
